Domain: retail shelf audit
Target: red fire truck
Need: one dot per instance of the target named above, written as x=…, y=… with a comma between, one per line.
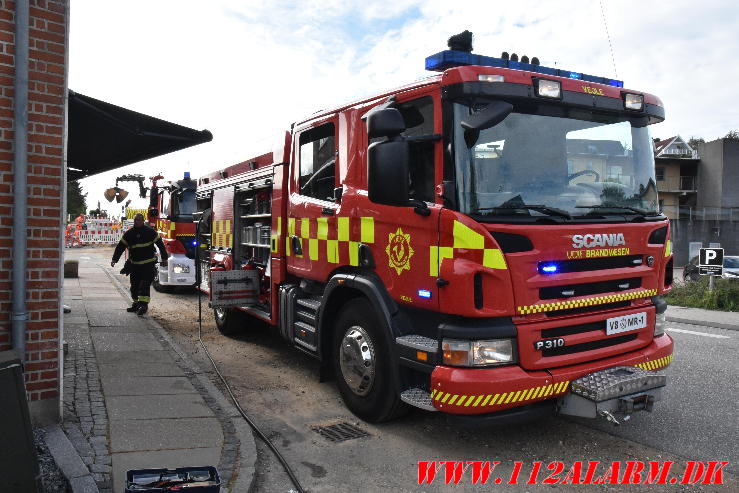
x=170, y=212
x=485, y=243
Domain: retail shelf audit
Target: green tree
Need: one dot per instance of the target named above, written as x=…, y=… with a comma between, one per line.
x=694, y=142
x=76, y=202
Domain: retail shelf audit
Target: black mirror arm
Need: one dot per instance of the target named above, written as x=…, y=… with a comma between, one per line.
x=420, y=207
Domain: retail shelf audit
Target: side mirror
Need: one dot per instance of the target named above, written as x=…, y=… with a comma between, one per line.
x=387, y=172
x=385, y=123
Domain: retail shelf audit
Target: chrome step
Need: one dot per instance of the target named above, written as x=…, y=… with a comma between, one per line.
x=616, y=382
x=420, y=343
x=309, y=303
x=418, y=398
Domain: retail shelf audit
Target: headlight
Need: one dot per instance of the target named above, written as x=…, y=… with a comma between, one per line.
x=659, y=324
x=477, y=353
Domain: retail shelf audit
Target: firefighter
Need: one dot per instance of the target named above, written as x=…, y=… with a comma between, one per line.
x=140, y=241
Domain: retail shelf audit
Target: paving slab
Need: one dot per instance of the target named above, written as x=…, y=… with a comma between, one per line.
x=127, y=385
x=119, y=329
x=123, y=462
x=107, y=341
x=108, y=372
x=699, y=316
x=164, y=434
x=69, y=319
x=113, y=318
x=156, y=407
x=125, y=358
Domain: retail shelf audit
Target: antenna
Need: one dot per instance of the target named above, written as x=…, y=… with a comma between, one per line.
x=608, y=36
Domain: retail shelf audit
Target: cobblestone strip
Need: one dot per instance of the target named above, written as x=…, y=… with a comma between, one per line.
x=85, y=416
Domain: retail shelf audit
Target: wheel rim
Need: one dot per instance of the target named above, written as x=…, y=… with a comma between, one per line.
x=357, y=360
x=220, y=314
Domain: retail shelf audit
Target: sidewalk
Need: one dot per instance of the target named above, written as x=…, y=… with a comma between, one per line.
x=698, y=316
x=132, y=399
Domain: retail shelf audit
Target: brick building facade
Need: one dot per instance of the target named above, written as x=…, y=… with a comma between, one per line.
x=47, y=64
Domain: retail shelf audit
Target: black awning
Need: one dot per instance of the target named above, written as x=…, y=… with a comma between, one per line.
x=103, y=137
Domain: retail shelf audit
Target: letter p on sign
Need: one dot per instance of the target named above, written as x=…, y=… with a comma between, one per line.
x=711, y=257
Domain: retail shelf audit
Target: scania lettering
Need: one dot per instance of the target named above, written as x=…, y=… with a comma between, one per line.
x=485, y=243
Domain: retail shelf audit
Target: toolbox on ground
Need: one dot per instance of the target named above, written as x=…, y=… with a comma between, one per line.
x=189, y=479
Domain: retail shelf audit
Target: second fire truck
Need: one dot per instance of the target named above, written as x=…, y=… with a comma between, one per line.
x=484, y=243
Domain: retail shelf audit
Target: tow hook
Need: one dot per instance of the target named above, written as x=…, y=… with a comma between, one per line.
x=611, y=418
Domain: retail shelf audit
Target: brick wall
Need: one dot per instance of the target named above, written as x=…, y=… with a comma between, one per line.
x=47, y=69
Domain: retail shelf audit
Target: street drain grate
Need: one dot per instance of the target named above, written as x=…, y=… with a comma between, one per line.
x=340, y=432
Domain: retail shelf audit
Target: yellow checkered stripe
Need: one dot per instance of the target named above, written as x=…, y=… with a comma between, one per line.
x=465, y=239
x=222, y=234
x=130, y=213
x=185, y=234
x=656, y=364
x=490, y=400
x=595, y=300
x=315, y=242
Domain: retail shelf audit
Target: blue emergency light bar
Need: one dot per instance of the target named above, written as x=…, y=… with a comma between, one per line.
x=452, y=58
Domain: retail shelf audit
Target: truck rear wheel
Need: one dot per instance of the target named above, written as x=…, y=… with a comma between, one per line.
x=361, y=358
x=228, y=320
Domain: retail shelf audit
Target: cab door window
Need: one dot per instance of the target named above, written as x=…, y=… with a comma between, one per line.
x=318, y=162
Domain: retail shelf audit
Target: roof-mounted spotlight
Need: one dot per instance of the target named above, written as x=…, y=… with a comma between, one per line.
x=534, y=61
x=514, y=57
x=525, y=59
x=505, y=55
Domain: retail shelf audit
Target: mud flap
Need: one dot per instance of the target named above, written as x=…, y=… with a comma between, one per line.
x=621, y=390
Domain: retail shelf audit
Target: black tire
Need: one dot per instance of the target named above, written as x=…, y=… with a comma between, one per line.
x=376, y=398
x=228, y=320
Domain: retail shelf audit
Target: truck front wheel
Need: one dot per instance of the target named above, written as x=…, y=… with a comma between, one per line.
x=361, y=357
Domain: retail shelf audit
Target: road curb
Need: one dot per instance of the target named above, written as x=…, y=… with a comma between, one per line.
x=704, y=323
x=69, y=460
x=245, y=468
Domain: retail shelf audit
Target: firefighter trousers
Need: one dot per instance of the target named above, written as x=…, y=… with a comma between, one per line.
x=141, y=279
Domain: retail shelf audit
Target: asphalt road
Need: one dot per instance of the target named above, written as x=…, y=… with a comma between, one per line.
x=278, y=386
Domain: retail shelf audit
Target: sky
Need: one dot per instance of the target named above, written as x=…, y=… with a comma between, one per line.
x=246, y=70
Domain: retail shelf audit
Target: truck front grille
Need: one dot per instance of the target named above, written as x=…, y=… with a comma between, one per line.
x=588, y=346
x=571, y=290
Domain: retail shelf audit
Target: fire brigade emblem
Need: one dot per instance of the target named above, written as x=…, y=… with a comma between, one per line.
x=399, y=251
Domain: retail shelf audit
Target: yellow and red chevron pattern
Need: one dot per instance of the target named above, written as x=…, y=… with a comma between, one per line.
x=580, y=302
x=322, y=240
x=222, y=234
x=656, y=364
x=490, y=400
x=465, y=240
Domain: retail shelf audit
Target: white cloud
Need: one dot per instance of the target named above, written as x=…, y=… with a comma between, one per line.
x=247, y=70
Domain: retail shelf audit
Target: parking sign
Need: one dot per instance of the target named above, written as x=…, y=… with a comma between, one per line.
x=711, y=261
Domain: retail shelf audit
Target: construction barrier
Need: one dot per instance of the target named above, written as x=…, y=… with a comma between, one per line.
x=95, y=231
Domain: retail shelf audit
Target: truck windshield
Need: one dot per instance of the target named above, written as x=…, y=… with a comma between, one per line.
x=554, y=161
x=187, y=203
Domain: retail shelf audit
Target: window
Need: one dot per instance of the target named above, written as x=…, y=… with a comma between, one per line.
x=318, y=162
x=419, y=120
x=659, y=172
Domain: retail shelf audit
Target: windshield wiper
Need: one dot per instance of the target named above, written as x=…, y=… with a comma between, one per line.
x=544, y=209
x=626, y=207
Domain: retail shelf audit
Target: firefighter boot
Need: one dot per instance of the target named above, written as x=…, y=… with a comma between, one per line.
x=133, y=308
x=143, y=307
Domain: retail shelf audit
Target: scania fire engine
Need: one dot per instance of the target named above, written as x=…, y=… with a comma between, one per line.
x=484, y=243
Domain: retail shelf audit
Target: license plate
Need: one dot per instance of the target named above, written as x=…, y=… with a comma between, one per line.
x=626, y=323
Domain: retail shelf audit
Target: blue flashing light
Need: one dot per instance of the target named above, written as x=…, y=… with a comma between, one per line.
x=549, y=268
x=195, y=243
x=424, y=293
x=452, y=58
x=187, y=175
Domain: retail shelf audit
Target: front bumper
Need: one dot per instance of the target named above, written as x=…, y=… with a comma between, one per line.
x=177, y=262
x=487, y=390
